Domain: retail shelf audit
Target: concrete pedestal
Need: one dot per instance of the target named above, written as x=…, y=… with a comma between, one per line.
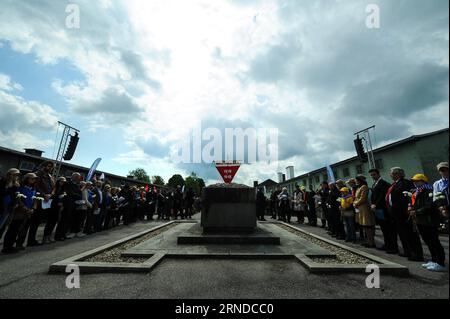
x=229, y=210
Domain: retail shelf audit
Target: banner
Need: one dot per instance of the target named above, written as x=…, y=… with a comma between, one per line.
x=93, y=169
x=330, y=173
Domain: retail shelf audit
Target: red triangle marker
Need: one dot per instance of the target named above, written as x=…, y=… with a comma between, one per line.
x=227, y=171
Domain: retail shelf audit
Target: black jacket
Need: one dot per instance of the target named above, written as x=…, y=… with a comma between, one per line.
x=379, y=194
x=73, y=192
x=260, y=199
x=426, y=211
x=400, y=202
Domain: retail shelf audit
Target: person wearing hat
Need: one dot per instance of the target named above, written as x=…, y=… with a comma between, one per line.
x=440, y=190
x=348, y=214
x=423, y=211
x=25, y=205
x=8, y=188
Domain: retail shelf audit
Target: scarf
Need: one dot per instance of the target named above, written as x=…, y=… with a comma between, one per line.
x=388, y=194
x=418, y=190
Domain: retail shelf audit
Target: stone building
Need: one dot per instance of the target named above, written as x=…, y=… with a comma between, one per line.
x=416, y=154
x=29, y=161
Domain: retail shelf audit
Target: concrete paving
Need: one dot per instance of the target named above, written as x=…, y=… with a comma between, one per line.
x=25, y=276
x=167, y=242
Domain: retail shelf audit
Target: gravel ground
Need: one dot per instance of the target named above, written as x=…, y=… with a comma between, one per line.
x=114, y=255
x=342, y=256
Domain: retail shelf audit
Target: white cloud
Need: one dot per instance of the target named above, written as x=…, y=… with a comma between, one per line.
x=155, y=69
x=23, y=122
x=7, y=85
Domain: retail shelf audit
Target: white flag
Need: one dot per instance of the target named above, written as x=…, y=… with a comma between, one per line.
x=330, y=173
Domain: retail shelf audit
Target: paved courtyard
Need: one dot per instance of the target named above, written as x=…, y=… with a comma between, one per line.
x=25, y=275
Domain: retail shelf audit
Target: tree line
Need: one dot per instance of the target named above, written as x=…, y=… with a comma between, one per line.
x=192, y=181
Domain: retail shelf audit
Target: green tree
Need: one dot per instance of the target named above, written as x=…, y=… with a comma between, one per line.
x=158, y=180
x=194, y=182
x=176, y=180
x=140, y=174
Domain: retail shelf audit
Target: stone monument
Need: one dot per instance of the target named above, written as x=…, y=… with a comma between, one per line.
x=228, y=217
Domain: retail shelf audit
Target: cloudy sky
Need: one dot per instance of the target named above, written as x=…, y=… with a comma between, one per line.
x=138, y=75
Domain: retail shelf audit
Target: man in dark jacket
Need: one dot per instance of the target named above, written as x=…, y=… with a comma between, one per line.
x=189, y=203
x=324, y=193
x=379, y=190
x=312, y=215
x=73, y=191
x=274, y=203
x=150, y=200
x=397, y=203
x=260, y=204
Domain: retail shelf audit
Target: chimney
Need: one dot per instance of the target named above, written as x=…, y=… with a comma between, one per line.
x=290, y=172
x=284, y=178
x=34, y=152
x=280, y=177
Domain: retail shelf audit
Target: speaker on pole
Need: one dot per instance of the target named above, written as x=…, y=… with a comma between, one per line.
x=362, y=155
x=73, y=142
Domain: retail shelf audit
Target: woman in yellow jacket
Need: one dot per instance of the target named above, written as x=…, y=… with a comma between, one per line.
x=348, y=214
x=366, y=215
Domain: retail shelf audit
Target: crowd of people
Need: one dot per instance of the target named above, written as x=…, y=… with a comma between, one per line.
x=408, y=209
x=72, y=207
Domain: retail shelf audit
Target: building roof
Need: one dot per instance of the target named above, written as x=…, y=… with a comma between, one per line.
x=268, y=182
x=412, y=138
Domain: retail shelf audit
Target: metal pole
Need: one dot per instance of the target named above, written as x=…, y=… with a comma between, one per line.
x=62, y=147
x=365, y=130
x=371, y=149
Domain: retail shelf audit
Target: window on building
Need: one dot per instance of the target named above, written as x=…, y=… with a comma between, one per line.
x=325, y=177
x=317, y=179
x=346, y=172
x=359, y=169
x=336, y=175
x=310, y=181
x=379, y=163
x=26, y=166
x=304, y=182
